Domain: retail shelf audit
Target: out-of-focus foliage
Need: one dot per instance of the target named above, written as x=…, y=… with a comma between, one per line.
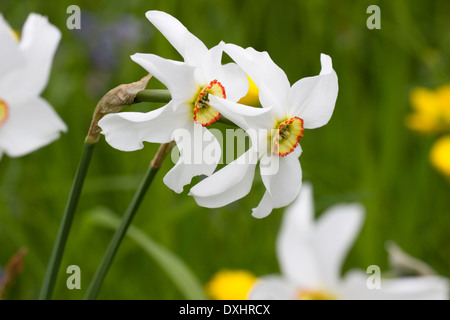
x=365, y=154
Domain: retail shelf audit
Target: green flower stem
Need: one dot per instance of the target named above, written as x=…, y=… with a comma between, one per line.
x=66, y=223
x=112, y=101
x=153, y=95
x=163, y=95
x=108, y=258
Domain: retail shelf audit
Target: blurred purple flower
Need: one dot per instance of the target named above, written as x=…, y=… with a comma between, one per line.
x=105, y=40
x=107, y=44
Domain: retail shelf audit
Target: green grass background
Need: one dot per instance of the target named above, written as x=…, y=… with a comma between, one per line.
x=364, y=154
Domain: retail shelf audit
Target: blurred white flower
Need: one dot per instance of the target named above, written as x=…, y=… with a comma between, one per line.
x=311, y=254
x=27, y=121
x=275, y=131
x=191, y=84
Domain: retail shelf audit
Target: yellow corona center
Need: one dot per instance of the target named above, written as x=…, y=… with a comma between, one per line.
x=203, y=112
x=252, y=96
x=4, y=112
x=230, y=285
x=314, y=295
x=286, y=136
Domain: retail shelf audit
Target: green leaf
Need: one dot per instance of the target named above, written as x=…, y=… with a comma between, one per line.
x=176, y=269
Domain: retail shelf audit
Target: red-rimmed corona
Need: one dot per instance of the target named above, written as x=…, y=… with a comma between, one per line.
x=286, y=136
x=203, y=112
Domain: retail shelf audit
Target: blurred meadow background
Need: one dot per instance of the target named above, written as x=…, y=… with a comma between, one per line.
x=365, y=154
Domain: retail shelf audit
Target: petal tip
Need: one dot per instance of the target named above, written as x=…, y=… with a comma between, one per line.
x=152, y=13
x=327, y=64
x=260, y=215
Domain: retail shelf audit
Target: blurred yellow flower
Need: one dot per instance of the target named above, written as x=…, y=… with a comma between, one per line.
x=440, y=155
x=230, y=285
x=432, y=110
x=252, y=96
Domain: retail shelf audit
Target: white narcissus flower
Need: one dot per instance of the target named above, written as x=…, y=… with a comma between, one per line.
x=27, y=121
x=311, y=253
x=191, y=84
x=275, y=132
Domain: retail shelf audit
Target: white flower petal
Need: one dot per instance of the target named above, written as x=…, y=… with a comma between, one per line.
x=406, y=288
x=313, y=98
x=212, y=62
x=336, y=231
x=177, y=76
x=38, y=43
x=282, y=177
x=227, y=185
x=416, y=288
x=35, y=51
x=243, y=116
x=235, y=81
x=188, y=45
x=272, y=288
x=10, y=57
x=296, y=250
x=270, y=79
x=299, y=216
x=264, y=207
x=127, y=130
x=195, y=159
x=30, y=126
x=231, y=76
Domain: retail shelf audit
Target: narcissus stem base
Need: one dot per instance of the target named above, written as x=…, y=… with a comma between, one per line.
x=108, y=258
x=66, y=223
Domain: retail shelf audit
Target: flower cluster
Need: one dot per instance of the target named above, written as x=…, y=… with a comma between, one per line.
x=203, y=90
x=254, y=95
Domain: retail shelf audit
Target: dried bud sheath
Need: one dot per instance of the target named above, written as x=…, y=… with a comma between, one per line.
x=112, y=102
